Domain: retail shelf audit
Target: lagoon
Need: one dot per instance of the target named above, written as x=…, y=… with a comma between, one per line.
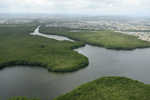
x=39, y=82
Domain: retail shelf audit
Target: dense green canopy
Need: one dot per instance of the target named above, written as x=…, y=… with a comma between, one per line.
x=18, y=47
x=109, y=88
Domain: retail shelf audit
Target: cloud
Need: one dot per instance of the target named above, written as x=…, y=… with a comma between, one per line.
x=95, y=7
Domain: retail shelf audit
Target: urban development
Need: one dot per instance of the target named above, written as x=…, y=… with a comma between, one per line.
x=132, y=26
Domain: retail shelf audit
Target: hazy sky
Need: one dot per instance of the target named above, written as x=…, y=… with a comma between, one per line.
x=85, y=7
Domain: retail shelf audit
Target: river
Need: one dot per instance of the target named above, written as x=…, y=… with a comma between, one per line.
x=39, y=82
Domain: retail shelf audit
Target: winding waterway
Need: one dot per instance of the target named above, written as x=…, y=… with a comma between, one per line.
x=60, y=38
x=39, y=82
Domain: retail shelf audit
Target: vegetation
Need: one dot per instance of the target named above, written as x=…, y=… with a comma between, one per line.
x=138, y=30
x=22, y=98
x=102, y=38
x=18, y=47
x=106, y=88
x=109, y=88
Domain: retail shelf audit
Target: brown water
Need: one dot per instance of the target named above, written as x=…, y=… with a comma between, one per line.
x=38, y=82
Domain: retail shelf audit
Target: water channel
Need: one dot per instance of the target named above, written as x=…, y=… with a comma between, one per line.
x=39, y=82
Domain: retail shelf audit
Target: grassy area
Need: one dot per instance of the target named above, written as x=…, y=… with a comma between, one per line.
x=109, y=88
x=18, y=47
x=138, y=30
x=102, y=38
x=22, y=98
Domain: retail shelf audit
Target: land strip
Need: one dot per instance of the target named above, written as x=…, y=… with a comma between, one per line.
x=102, y=38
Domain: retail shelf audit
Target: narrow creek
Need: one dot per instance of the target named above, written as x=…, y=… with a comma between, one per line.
x=39, y=82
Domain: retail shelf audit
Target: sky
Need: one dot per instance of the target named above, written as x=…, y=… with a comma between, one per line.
x=84, y=7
